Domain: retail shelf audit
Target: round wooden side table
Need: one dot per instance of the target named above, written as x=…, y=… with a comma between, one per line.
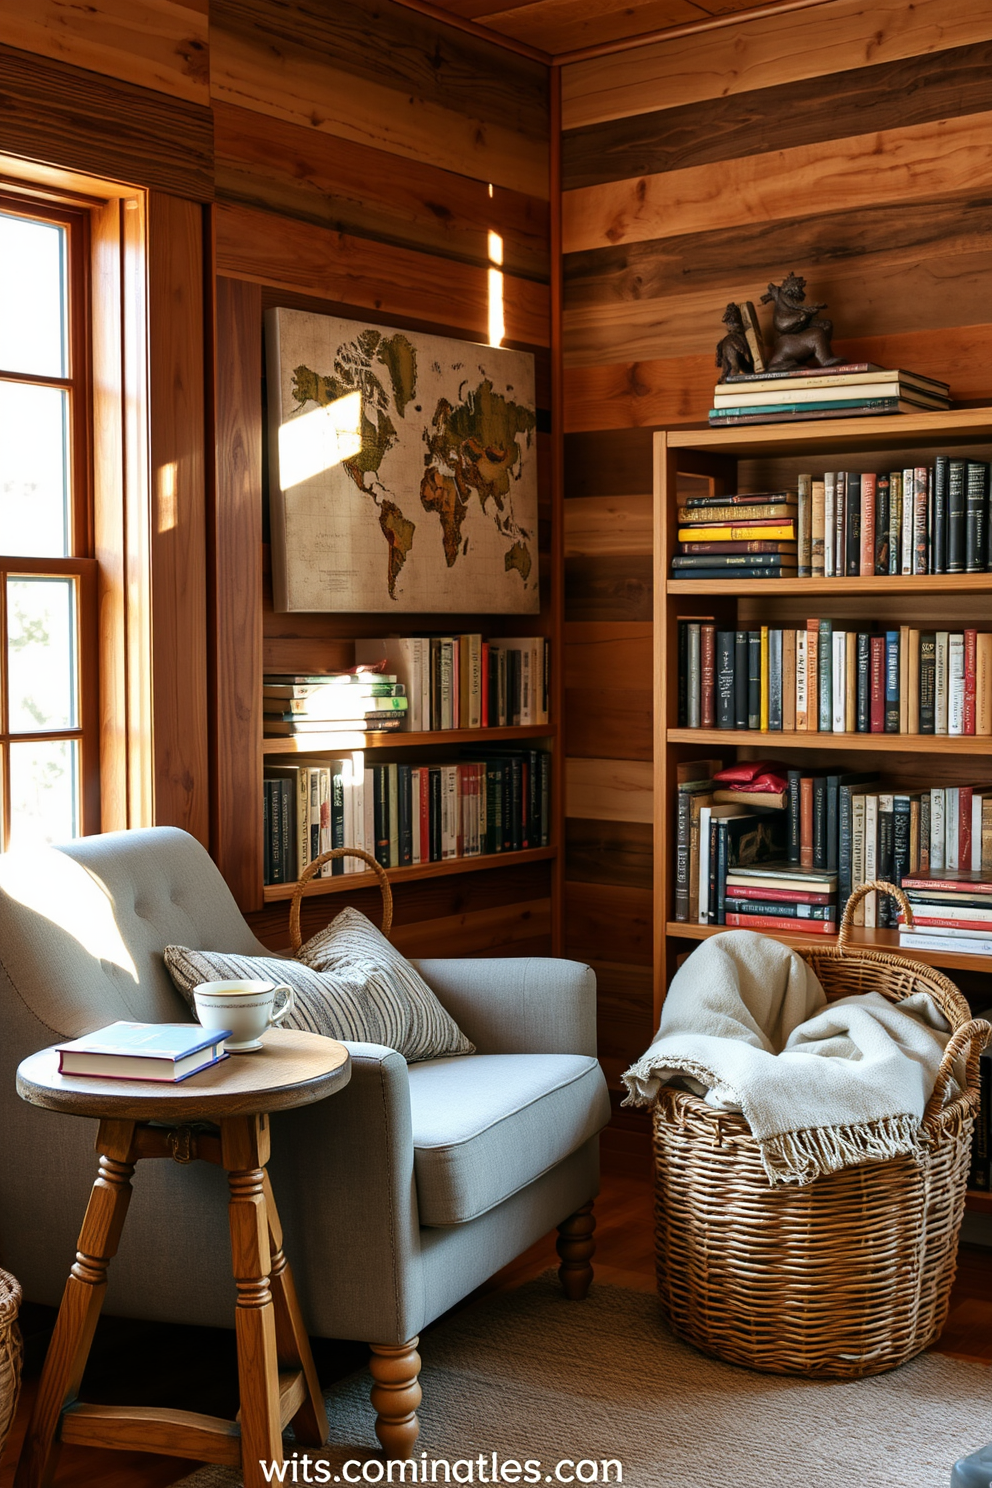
x=276, y=1375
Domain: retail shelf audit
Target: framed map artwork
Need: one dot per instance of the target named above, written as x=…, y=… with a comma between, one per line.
x=402, y=470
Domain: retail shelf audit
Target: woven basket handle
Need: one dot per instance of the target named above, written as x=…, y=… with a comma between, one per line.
x=972, y=1036
x=847, y=919
x=296, y=939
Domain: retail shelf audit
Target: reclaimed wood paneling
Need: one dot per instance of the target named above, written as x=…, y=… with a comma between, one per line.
x=805, y=111
x=82, y=121
x=482, y=932
x=358, y=272
x=907, y=164
x=608, y=463
x=303, y=173
x=608, y=655
x=615, y=722
x=566, y=25
x=608, y=525
x=439, y=97
x=608, y=852
x=763, y=52
x=607, y=922
x=609, y=790
x=235, y=550
x=160, y=44
x=176, y=338
x=608, y=588
x=625, y=1021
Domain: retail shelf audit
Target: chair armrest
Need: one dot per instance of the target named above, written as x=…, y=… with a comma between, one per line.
x=342, y=1171
x=526, y=1005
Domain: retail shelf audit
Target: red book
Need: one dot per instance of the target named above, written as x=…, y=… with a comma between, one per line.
x=964, y=825
x=806, y=821
x=867, y=556
x=962, y=882
x=775, y=922
x=780, y=896
x=927, y=924
x=707, y=676
x=970, y=673
x=877, y=685
x=425, y=815
x=485, y=685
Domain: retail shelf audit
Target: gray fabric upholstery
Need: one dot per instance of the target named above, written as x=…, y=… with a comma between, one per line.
x=486, y=1127
x=81, y=939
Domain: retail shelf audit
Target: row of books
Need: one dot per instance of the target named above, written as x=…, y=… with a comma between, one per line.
x=464, y=681
x=920, y=520
x=952, y=912
x=849, y=390
x=490, y=801
x=830, y=832
x=751, y=535
x=822, y=678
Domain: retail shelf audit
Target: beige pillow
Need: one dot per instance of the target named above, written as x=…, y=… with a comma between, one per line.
x=350, y=984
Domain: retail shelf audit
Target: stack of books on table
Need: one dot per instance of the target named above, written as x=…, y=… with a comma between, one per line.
x=165, y=1052
x=951, y=912
x=334, y=702
x=742, y=536
x=849, y=391
x=465, y=681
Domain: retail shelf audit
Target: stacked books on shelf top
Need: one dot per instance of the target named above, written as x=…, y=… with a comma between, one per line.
x=952, y=911
x=360, y=701
x=834, y=677
x=465, y=681
x=743, y=536
x=851, y=390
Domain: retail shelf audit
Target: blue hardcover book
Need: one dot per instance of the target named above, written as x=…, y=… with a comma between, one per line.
x=891, y=681
x=144, y=1051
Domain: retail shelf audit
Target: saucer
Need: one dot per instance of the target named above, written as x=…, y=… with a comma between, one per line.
x=248, y=1048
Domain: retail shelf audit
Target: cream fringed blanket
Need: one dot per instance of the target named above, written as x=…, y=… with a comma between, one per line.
x=747, y=1025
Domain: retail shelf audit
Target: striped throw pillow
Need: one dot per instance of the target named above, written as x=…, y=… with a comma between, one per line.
x=350, y=984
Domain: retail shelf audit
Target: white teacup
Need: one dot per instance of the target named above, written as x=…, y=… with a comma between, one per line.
x=245, y=1007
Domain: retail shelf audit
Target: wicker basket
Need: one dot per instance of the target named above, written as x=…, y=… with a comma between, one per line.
x=849, y=1275
x=296, y=903
x=11, y=1353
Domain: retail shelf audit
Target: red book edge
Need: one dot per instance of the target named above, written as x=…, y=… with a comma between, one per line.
x=985, y=926
x=877, y=664
x=784, y=896
x=950, y=886
x=776, y=922
x=970, y=677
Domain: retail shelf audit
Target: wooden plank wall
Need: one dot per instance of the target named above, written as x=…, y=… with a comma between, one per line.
x=352, y=157
x=852, y=146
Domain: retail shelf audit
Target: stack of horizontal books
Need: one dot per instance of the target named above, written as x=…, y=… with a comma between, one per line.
x=778, y=896
x=952, y=912
x=336, y=703
x=750, y=536
x=848, y=391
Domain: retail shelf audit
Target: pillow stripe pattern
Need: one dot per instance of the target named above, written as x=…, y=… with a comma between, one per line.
x=350, y=984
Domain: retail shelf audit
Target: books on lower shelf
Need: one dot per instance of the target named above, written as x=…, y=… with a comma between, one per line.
x=740, y=536
x=846, y=391
x=465, y=681
x=952, y=908
x=489, y=801
x=822, y=678
x=163, y=1052
x=837, y=830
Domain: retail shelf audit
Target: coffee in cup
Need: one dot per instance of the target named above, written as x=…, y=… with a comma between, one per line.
x=245, y=1007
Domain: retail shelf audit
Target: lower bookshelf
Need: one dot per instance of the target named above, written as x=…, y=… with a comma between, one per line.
x=875, y=940
x=345, y=883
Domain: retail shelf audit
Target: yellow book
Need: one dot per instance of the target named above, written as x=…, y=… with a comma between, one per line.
x=777, y=532
x=764, y=679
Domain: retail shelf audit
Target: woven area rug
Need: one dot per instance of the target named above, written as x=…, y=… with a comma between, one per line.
x=527, y=1374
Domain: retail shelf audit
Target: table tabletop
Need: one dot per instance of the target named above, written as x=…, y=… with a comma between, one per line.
x=292, y=1068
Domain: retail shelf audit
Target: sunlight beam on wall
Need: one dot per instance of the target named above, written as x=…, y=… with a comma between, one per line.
x=319, y=440
x=497, y=324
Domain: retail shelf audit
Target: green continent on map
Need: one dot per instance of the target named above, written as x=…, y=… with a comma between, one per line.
x=398, y=532
x=478, y=441
x=439, y=493
x=400, y=360
x=518, y=558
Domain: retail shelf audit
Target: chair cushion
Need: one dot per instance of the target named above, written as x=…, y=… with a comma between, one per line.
x=350, y=983
x=487, y=1126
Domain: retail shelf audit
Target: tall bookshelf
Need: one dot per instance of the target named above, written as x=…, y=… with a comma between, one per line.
x=769, y=457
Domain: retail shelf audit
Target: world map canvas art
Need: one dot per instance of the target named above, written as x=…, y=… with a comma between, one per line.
x=402, y=470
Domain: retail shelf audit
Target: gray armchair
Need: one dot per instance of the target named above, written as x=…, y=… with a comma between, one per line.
x=398, y=1195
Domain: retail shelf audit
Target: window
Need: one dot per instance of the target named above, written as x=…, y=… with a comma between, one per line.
x=49, y=766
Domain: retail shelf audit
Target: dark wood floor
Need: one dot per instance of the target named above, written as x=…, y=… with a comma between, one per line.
x=194, y=1368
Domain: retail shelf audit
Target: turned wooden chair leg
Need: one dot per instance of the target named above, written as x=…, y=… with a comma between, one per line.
x=576, y=1248
x=396, y=1393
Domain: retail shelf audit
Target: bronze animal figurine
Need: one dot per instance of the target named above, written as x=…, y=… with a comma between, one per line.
x=801, y=337
x=733, y=355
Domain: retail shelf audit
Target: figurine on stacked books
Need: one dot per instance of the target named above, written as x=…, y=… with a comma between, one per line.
x=801, y=378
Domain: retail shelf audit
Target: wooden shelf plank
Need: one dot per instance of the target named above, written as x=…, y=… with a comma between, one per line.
x=980, y=744
x=331, y=743
x=881, y=585
x=346, y=882
x=878, y=940
x=946, y=427
x=978, y=1201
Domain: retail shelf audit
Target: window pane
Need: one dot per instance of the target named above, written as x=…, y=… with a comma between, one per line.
x=44, y=791
x=34, y=484
x=32, y=297
x=41, y=654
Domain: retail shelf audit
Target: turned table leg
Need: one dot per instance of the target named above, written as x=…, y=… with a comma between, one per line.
x=396, y=1393
x=576, y=1248
x=244, y=1152
x=81, y=1302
